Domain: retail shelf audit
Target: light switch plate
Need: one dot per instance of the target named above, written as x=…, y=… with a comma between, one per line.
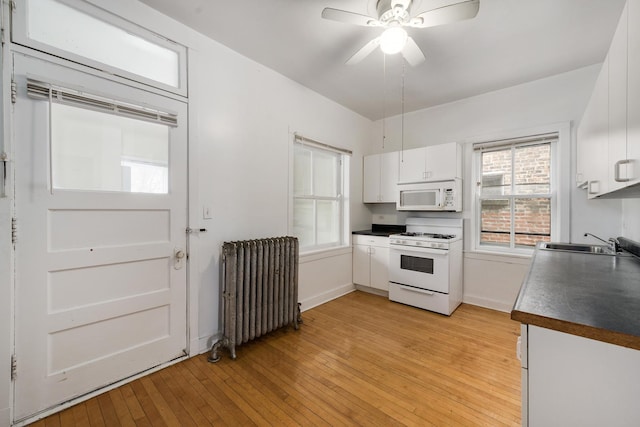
x=206, y=212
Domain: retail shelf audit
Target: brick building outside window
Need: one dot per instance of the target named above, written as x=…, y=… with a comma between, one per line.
x=514, y=198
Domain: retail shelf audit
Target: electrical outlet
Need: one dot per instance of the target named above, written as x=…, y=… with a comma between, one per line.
x=206, y=212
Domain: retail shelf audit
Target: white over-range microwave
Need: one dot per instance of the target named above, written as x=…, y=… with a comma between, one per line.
x=431, y=196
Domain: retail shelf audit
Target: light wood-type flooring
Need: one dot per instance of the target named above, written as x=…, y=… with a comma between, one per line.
x=357, y=360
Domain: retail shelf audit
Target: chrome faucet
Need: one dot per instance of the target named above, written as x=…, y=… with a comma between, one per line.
x=613, y=243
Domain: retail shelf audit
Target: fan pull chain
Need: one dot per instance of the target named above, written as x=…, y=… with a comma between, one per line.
x=384, y=98
x=402, y=114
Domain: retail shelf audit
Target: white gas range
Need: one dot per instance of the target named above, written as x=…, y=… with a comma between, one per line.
x=425, y=264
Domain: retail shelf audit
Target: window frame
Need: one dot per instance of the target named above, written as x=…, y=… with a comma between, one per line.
x=559, y=186
x=342, y=198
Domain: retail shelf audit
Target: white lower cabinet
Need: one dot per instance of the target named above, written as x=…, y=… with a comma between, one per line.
x=371, y=261
x=574, y=381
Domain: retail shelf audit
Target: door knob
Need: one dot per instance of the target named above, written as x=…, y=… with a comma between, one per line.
x=179, y=256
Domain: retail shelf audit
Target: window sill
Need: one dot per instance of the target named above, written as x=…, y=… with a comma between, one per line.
x=324, y=253
x=496, y=256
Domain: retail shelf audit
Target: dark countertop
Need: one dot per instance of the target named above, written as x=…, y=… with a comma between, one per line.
x=384, y=230
x=589, y=295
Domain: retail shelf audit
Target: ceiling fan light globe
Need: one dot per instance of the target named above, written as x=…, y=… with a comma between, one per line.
x=393, y=40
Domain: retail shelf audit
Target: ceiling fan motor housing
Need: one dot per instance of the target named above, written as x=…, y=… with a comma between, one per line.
x=393, y=10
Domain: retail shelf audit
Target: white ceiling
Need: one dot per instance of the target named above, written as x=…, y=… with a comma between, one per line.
x=508, y=43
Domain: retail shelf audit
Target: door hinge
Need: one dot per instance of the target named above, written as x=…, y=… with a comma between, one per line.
x=14, y=230
x=14, y=367
x=14, y=92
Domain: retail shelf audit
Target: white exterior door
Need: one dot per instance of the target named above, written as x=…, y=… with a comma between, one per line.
x=101, y=209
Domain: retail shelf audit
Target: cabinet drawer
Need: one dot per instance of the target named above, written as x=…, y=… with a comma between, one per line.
x=362, y=239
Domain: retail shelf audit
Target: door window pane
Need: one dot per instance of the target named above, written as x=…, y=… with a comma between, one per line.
x=58, y=25
x=97, y=151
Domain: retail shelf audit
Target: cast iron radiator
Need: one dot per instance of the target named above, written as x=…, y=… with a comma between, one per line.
x=259, y=290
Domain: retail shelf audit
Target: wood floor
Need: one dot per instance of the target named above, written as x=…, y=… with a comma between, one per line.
x=358, y=360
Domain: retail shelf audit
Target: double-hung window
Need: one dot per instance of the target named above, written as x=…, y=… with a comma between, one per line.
x=320, y=177
x=515, y=198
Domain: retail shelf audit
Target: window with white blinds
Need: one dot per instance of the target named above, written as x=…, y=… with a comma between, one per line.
x=515, y=198
x=320, y=177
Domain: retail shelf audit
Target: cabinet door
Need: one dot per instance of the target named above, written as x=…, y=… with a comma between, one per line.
x=633, y=101
x=598, y=141
x=443, y=162
x=412, y=165
x=371, y=179
x=361, y=265
x=575, y=381
x=389, y=177
x=618, y=105
x=380, y=268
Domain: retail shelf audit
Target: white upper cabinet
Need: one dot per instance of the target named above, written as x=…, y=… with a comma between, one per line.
x=433, y=163
x=380, y=178
x=609, y=132
x=633, y=93
x=593, y=137
x=618, y=106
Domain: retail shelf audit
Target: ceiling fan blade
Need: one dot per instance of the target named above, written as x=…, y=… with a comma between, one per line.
x=446, y=14
x=364, y=51
x=412, y=53
x=349, y=17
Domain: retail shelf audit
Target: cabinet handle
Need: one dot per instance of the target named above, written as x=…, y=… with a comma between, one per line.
x=594, y=187
x=424, y=175
x=617, y=170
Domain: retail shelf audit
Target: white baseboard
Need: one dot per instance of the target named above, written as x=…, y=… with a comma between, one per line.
x=488, y=303
x=327, y=296
x=373, y=291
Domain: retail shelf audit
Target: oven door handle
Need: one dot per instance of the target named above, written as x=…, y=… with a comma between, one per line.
x=416, y=290
x=415, y=250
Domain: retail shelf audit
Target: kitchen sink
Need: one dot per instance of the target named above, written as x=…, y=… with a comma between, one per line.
x=577, y=247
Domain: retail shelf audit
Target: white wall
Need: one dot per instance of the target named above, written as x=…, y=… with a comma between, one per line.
x=241, y=119
x=560, y=98
x=245, y=117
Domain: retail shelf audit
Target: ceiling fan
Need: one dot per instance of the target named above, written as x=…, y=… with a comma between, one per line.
x=393, y=15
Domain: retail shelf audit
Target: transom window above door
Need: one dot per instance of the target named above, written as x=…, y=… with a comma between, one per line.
x=84, y=33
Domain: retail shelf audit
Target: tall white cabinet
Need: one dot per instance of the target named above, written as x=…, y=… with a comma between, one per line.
x=608, y=161
x=380, y=178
